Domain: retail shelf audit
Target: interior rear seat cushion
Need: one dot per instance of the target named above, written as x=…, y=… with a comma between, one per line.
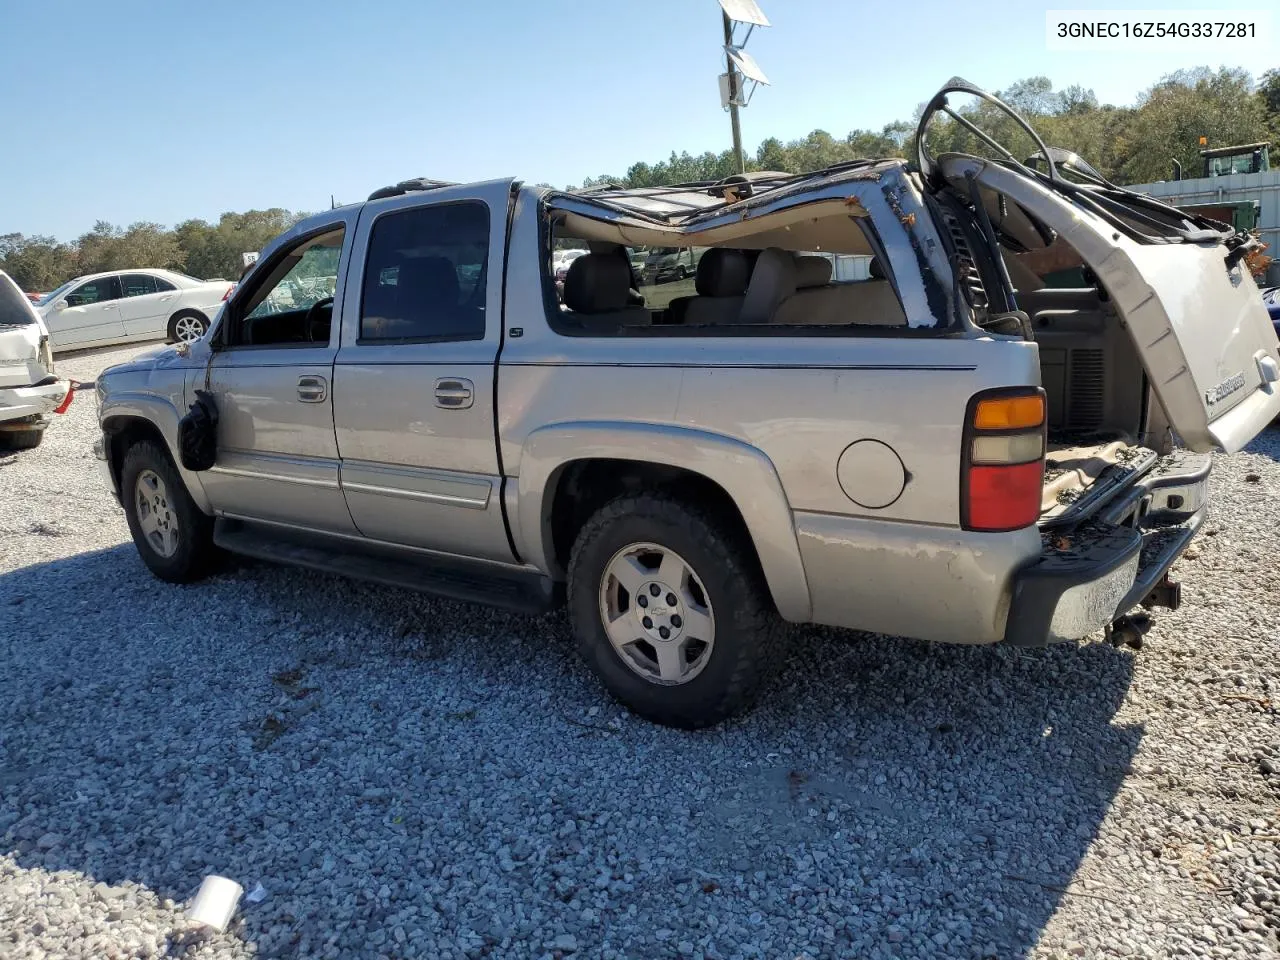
x=721, y=282
x=772, y=281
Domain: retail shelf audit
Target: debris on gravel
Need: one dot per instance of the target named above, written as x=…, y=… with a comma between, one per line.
x=416, y=778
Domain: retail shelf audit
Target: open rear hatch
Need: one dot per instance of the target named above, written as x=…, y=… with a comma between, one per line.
x=1178, y=282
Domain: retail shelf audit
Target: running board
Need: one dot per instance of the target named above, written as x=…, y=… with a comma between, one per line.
x=464, y=580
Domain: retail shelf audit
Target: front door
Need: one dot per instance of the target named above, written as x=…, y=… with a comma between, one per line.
x=91, y=315
x=146, y=305
x=271, y=377
x=413, y=381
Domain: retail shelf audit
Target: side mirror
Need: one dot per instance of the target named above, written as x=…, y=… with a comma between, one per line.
x=60, y=305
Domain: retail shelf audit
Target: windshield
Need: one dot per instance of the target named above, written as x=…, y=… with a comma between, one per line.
x=55, y=295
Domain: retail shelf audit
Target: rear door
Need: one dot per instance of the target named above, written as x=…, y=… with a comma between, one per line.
x=413, y=383
x=146, y=305
x=1198, y=320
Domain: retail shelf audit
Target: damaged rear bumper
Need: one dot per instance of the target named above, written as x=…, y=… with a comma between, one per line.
x=26, y=408
x=1090, y=574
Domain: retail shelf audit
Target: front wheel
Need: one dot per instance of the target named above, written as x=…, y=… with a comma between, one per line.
x=670, y=610
x=174, y=539
x=187, y=326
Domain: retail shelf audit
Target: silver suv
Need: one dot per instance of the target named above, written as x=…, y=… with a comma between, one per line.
x=947, y=447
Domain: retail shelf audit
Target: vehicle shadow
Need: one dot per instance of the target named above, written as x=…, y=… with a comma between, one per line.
x=1267, y=442
x=361, y=750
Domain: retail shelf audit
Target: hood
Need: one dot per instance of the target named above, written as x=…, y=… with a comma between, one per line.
x=25, y=356
x=170, y=356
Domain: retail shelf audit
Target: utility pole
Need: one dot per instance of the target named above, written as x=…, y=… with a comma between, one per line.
x=733, y=94
x=740, y=66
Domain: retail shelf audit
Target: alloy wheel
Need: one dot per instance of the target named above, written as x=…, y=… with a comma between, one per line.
x=657, y=614
x=188, y=329
x=156, y=518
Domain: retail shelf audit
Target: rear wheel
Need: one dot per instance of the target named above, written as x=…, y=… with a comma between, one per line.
x=174, y=539
x=670, y=610
x=187, y=326
x=20, y=439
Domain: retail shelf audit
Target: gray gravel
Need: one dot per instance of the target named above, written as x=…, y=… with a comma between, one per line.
x=410, y=778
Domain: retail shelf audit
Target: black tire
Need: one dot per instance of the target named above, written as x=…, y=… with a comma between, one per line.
x=196, y=554
x=20, y=439
x=747, y=633
x=196, y=315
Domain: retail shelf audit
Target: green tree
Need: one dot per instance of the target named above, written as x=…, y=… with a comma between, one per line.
x=36, y=263
x=1181, y=108
x=107, y=247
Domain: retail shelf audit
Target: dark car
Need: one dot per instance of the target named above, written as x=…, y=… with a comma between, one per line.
x=1271, y=297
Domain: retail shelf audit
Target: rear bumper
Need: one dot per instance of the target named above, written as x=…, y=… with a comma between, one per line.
x=22, y=403
x=1088, y=575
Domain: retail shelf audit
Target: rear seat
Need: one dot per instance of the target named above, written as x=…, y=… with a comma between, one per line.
x=597, y=293
x=721, y=282
x=796, y=291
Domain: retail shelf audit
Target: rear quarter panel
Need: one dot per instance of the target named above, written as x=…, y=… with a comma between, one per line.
x=904, y=568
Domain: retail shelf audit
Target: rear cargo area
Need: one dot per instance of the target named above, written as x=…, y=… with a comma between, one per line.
x=1093, y=380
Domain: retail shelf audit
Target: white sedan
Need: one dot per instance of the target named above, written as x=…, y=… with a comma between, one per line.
x=107, y=308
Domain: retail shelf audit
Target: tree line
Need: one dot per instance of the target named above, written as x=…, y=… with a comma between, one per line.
x=195, y=247
x=1132, y=144
x=1129, y=144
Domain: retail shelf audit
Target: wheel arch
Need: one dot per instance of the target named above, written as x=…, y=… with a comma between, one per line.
x=129, y=420
x=612, y=458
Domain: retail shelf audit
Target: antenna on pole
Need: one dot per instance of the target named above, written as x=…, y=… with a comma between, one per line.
x=740, y=65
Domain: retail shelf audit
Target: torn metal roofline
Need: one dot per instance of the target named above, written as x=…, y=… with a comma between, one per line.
x=687, y=202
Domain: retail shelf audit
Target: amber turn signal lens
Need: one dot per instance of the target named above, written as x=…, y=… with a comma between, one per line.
x=1009, y=413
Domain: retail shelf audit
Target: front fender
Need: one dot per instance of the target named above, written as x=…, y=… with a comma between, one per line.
x=161, y=413
x=741, y=470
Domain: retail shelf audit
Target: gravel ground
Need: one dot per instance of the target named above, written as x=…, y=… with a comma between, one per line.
x=410, y=778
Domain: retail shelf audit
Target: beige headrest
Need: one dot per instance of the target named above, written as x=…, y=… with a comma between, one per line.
x=812, y=272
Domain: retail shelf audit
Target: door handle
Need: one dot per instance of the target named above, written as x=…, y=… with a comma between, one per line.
x=454, y=394
x=312, y=389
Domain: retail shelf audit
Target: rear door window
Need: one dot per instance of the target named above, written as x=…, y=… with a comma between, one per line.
x=424, y=277
x=138, y=284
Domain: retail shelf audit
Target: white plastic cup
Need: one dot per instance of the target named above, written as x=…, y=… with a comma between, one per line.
x=215, y=902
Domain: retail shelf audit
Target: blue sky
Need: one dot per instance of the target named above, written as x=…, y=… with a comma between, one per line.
x=133, y=110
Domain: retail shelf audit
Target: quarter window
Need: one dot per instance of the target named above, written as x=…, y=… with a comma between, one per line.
x=424, y=277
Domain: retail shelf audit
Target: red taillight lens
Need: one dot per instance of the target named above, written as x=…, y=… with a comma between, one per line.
x=1005, y=498
x=66, y=401
x=227, y=296
x=1003, y=472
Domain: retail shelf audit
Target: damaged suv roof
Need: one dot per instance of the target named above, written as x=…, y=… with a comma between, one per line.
x=687, y=203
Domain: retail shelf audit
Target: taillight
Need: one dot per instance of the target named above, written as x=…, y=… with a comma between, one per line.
x=66, y=401
x=227, y=296
x=1002, y=476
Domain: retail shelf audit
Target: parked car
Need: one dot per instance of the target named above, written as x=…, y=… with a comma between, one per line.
x=561, y=261
x=666, y=264
x=105, y=308
x=30, y=391
x=35, y=297
x=908, y=454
